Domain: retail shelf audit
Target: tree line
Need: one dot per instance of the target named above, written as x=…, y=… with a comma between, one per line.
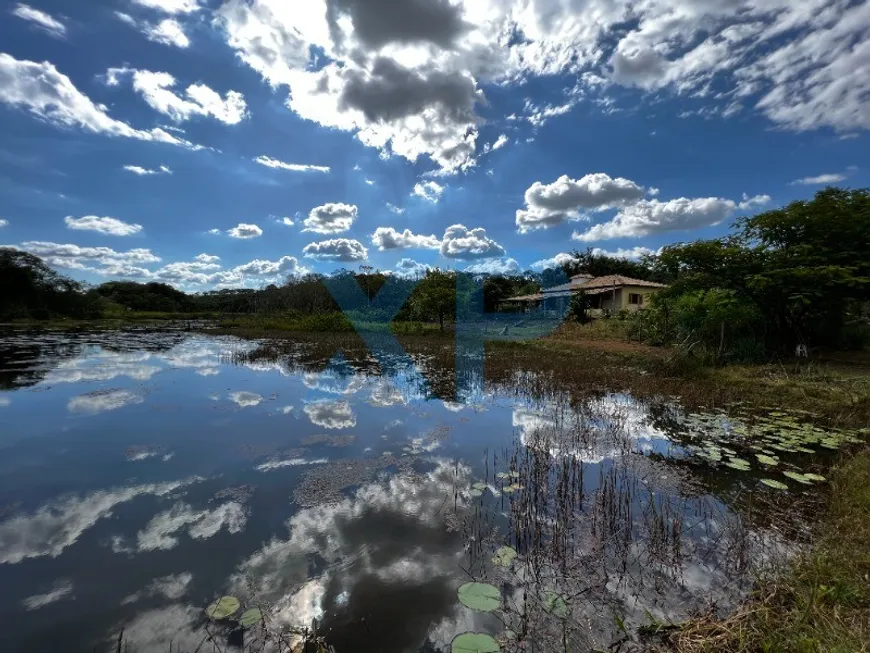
x=790, y=276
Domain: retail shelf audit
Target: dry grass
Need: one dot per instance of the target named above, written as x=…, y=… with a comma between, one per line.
x=821, y=604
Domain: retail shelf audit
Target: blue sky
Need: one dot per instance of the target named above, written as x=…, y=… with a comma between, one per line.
x=177, y=140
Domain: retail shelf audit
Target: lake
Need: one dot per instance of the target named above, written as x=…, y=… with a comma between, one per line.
x=146, y=473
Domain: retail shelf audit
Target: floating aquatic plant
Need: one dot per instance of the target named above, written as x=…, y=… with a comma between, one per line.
x=250, y=617
x=224, y=607
x=776, y=485
x=482, y=597
x=504, y=557
x=474, y=643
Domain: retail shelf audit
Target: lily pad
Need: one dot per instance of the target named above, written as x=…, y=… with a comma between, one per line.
x=555, y=604
x=767, y=460
x=504, y=557
x=741, y=466
x=503, y=475
x=479, y=486
x=224, y=607
x=800, y=478
x=475, y=493
x=482, y=597
x=776, y=485
x=815, y=477
x=474, y=643
x=250, y=617
x=515, y=474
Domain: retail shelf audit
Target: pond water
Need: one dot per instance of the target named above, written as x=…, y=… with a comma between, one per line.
x=143, y=474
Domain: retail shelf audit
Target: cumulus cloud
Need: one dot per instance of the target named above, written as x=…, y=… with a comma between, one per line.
x=207, y=258
x=171, y=587
x=156, y=88
x=331, y=414
x=548, y=205
x=288, y=222
x=108, y=226
x=634, y=253
x=411, y=269
x=754, y=202
x=285, y=265
x=138, y=170
x=648, y=217
x=47, y=23
x=339, y=249
x=245, y=231
x=110, y=262
x=553, y=263
x=505, y=266
x=819, y=180
x=167, y=32
x=269, y=162
x=462, y=243
x=386, y=238
x=429, y=190
x=331, y=218
x=4, y=223
x=50, y=95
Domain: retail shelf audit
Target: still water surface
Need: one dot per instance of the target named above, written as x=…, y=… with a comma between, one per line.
x=143, y=474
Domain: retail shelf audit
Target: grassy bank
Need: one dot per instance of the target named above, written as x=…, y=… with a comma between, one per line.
x=325, y=323
x=821, y=603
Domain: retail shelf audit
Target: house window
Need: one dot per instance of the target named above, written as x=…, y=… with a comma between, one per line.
x=635, y=299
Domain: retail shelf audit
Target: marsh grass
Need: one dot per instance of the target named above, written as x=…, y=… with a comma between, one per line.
x=820, y=604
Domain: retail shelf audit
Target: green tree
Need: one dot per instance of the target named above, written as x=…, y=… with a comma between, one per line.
x=435, y=297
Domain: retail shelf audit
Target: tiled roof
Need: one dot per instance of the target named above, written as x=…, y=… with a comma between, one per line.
x=618, y=280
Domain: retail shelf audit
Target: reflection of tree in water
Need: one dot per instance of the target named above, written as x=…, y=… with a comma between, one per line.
x=27, y=357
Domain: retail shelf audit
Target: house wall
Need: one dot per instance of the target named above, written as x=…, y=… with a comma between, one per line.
x=643, y=291
x=614, y=301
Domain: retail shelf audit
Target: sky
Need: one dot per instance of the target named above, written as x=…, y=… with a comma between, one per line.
x=231, y=143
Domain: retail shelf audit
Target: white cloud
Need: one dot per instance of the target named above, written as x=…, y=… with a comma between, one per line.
x=168, y=32
x=386, y=238
x=138, y=170
x=207, y=258
x=50, y=95
x=392, y=208
x=553, y=263
x=108, y=226
x=462, y=243
x=170, y=6
x=633, y=254
x=499, y=143
x=331, y=414
x=338, y=249
x=506, y=266
x=62, y=589
x=648, y=217
x=331, y=218
x=429, y=190
x=59, y=523
x=40, y=19
x=548, y=205
x=754, y=202
x=288, y=222
x=110, y=262
x=820, y=180
x=245, y=231
x=4, y=223
x=198, y=100
x=411, y=269
x=269, y=162
x=285, y=265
